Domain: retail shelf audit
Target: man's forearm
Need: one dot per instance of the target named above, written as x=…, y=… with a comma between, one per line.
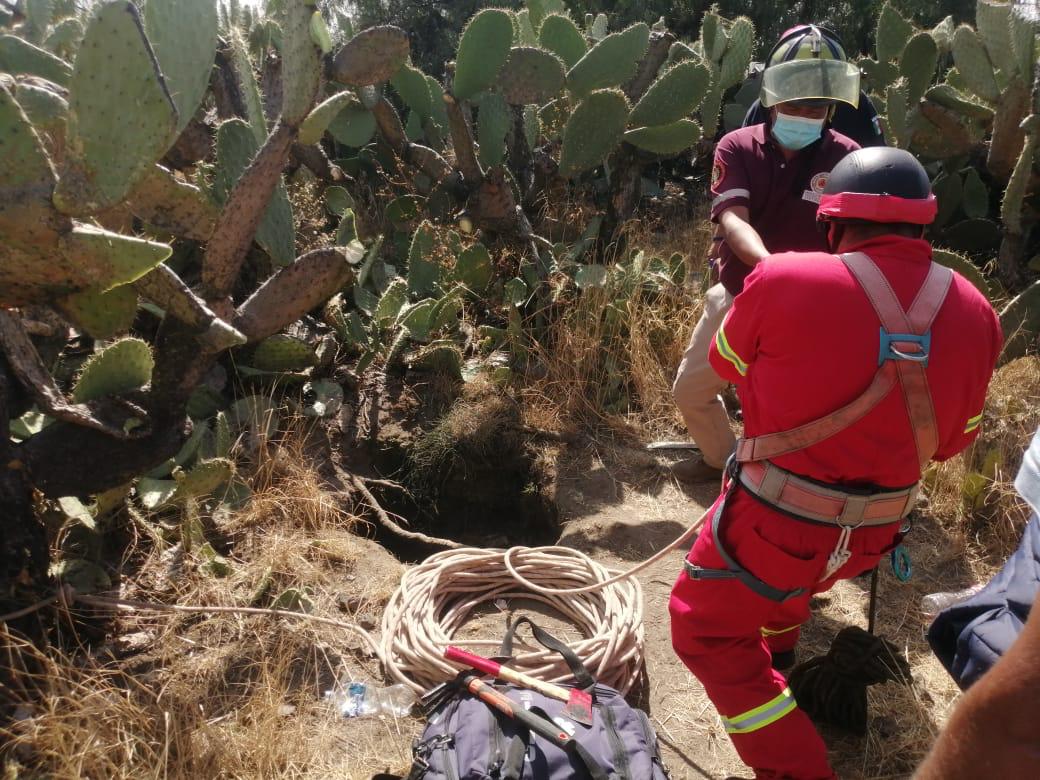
x=742, y=239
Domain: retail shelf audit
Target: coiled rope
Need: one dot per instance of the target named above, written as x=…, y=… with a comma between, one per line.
x=435, y=599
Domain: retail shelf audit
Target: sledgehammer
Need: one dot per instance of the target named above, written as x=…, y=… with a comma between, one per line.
x=579, y=702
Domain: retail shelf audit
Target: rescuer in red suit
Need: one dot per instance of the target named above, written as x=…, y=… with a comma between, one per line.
x=854, y=370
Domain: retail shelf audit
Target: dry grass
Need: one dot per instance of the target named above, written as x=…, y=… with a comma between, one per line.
x=973, y=494
x=230, y=696
x=615, y=369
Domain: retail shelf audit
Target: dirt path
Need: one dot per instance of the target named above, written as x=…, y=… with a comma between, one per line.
x=617, y=507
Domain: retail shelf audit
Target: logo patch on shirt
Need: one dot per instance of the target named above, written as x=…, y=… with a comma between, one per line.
x=819, y=181
x=718, y=170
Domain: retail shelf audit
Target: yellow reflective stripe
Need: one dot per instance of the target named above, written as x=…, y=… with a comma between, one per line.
x=973, y=423
x=727, y=352
x=775, y=631
x=761, y=716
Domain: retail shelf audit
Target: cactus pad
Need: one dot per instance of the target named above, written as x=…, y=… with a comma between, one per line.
x=896, y=113
x=964, y=266
x=532, y=126
x=163, y=200
x=101, y=315
x=531, y=76
x=301, y=62
x=353, y=126
x=893, y=33
x=183, y=34
x=109, y=147
x=46, y=109
x=1023, y=38
x=203, y=479
x=483, y=50
x=974, y=64
x=976, y=195
x=562, y=37
x=1020, y=321
x=21, y=57
x=1011, y=206
x=948, y=96
x=318, y=120
x=598, y=28
x=370, y=57
x=119, y=368
x=523, y=30
x=280, y=353
x=943, y=34
x=713, y=36
x=593, y=130
x=917, y=65
x=610, y=62
x=737, y=59
x=494, y=119
x=665, y=139
x=236, y=147
x=474, y=268
x=110, y=259
x=673, y=96
x=411, y=85
x=993, y=21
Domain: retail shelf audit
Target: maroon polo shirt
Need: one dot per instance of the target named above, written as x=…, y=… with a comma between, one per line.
x=781, y=195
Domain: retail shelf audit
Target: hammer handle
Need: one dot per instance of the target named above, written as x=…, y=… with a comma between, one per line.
x=487, y=666
x=506, y=706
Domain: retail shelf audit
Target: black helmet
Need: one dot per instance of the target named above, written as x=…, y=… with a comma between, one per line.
x=878, y=184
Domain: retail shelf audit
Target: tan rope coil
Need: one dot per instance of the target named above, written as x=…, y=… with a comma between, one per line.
x=436, y=598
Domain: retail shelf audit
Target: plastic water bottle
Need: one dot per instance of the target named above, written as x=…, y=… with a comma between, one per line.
x=356, y=699
x=934, y=603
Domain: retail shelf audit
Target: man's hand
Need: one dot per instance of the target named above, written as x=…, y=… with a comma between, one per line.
x=741, y=237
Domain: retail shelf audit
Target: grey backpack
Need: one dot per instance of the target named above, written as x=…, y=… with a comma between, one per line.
x=466, y=739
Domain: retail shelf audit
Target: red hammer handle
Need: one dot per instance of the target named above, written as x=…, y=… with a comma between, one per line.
x=504, y=704
x=487, y=666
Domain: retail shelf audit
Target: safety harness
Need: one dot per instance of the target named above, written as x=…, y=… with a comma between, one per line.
x=905, y=344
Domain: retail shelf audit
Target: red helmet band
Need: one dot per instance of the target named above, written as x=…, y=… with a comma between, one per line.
x=878, y=208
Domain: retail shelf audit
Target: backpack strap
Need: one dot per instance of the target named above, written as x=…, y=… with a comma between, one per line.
x=905, y=340
x=582, y=676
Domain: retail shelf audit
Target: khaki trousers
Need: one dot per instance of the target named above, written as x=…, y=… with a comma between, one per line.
x=696, y=388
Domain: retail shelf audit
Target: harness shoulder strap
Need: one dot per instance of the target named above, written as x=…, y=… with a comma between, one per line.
x=905, y=340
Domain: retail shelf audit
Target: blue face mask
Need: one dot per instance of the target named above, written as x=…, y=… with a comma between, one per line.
x=796, y=132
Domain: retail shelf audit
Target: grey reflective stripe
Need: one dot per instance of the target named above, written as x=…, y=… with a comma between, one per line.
x=762, y=716
x=724, y=196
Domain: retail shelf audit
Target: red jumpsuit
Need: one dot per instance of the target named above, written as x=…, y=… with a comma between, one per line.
x=800, y=342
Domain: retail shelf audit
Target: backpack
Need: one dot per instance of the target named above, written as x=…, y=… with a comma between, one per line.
x=466, y=739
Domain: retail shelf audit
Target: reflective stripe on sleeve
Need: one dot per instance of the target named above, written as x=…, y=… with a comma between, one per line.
x=777, y=631
x=722, y=197
x=762, y=716
x=973, y=423
x=727, y=352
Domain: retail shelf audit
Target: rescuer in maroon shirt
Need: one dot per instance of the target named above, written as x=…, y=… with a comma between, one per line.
x=766, y=183
x=854, y=372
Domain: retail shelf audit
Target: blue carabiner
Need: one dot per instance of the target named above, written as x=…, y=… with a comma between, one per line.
x=901, y=565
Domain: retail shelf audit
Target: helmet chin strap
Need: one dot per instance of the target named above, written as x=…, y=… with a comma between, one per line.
x=835, y=234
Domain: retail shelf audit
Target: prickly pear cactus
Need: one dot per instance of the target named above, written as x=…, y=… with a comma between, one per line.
x=483, y=50
x=593, y=131
x=610, y=62
x=118, y=368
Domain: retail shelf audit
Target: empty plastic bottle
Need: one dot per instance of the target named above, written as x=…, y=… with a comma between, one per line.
x=356, y=699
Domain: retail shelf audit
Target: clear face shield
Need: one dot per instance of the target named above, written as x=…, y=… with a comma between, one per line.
x=811, y=79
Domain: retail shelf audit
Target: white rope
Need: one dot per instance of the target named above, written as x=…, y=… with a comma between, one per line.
x=436, y=598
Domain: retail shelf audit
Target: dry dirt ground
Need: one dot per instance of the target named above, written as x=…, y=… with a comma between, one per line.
x=619, y=507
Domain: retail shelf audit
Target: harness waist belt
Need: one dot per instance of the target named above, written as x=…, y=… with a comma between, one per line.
x=806, y=499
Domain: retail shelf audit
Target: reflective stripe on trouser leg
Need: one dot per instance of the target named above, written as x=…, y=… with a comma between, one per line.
x=696, y=388
x=761, y=716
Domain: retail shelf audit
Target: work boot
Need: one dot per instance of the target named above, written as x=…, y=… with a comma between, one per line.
x=783, y=660
x=695, y=470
